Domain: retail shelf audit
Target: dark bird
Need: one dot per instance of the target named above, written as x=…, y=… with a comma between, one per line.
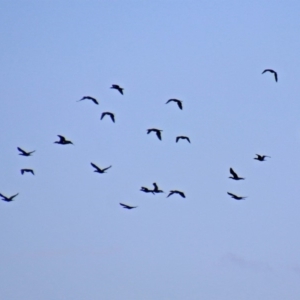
x=179, y=103
x=261, y=157
x=24, y=153
x=117, y=87
x=8, y=199
x=112, y=116
x=272, y=71
x=236, y=197
x=146, y=190
x=127, y=206
x=62, y=141
x=156, y=189
x=235, y=176
x=89, y=98
x=98, y=170
x=176, y=192
x=183, y=138
x=27, y=170
x=157, y=131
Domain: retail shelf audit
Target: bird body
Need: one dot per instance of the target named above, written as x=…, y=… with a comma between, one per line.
x=127, y=206
x=112, y=116
x=117, y=87
x=24, y=153
x=234, y=175
x=271, y=71
x=98, y=170
x=27, y=170
x=157, y=131
x=146, y=190
x=89, y=98
x=179, y=103
x=261, y=157
x=8, y=199
x=183, y=138
x=236, y=197
x=63, y=141
x=176, y=192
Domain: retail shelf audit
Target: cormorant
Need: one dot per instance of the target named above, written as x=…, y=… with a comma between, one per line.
x=261, y=157
x=146, y=190
x=112, y=116
x=176, y=192
x=127, y=206
x=235, y=176
x=117, y=87
x=89, y=98
x=27, y=170
x=24, y=153
x=179, y=103
x=157, y=131
x=62, y=141
x=8, y=199
x=182, y=137
x=272, y=71
x=236, y=197
x=98, y=170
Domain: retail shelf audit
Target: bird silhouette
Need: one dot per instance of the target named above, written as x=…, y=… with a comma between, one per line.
x=98, y=170
x=261, y=157
x=176, y=192
x=157, y=131
x=127, y=206
x=156, y=189
x=112, y=116
x=62, y=141
x=24, y=153
x=27, y=170
x=236, y=197
x=271, y=71
x=146, y=190
x=8, y=199
x=179, y=103
x=235, y=176
x=89, y=98
x=117, y=87
x=183, y=138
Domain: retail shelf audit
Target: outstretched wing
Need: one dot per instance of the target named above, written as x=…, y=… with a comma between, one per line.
x=276, y=77
x=21, y=150
x=158, y=133
x=233, y=173
x=62, y=138
x=232, y=195
x=112, y=117
x=179, y=104
x=106, y=168
x=96, y=167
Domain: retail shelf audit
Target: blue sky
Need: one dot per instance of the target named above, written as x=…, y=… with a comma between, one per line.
x=65, y=235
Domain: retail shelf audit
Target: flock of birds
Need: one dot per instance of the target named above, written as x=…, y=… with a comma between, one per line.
x=63, y=141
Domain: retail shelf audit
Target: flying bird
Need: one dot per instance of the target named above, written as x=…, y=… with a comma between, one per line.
x=183, y=138
x=179, y=103
x=127, y=206
x=176, y=192
x=27, y=170
x=62, y=141
x=8, y=199
x=157, y=131
x=236, y=197
x=271, y=71
x=156, y=189
x=146, y=190
x=89, y=98
x=117, y=87
x=24, y=153
x=235, y=176
x=261, y=157
x=98, y=170
x=112, y=116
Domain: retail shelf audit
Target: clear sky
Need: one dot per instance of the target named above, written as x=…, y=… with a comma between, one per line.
x=65, y=236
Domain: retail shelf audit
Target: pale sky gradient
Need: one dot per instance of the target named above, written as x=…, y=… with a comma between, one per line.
x=65, y=235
